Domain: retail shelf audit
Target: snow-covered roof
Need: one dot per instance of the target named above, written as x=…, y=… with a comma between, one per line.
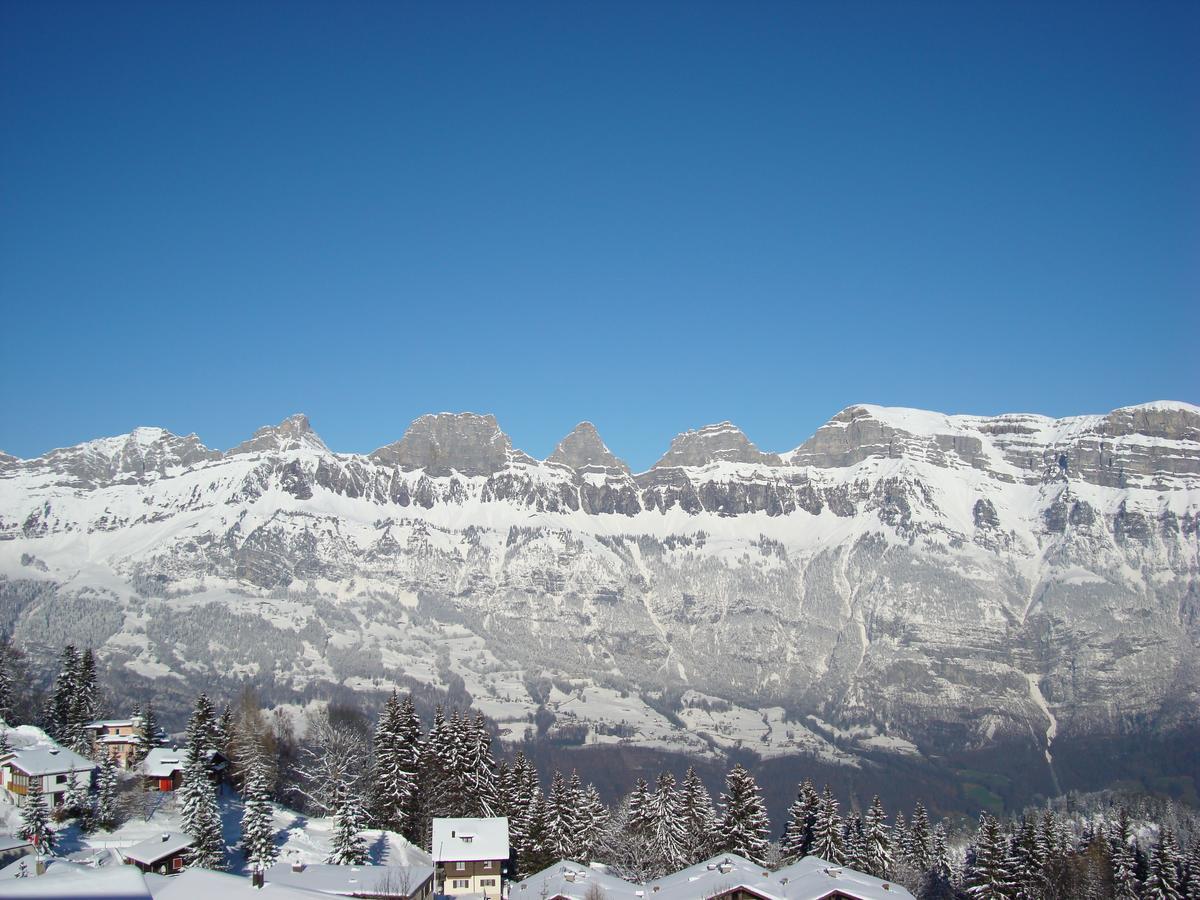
x=163, y=762
x=12, y=842
x=111, y=723
x=810, y=879
x=470, y=839
x=150, y=851
x=574, y=880
x=204, y=884
x=813, y=877
x=350, y=880
x=65, y=880
x=53, y=760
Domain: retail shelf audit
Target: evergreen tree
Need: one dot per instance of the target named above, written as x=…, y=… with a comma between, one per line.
x=478, y=767
x=878, y=841
x=35, y=819
x=200, y=817
x=939, y=857
x=802, y=818
x=699, y=817
x=919, y=838
x=147, y=735
x=6, y=684
x=1162, y=880
x=258, y=826
x=394, y=783
x=1124, y=862
x=901, y=840
x=562, y=823
x=104, y=807
x=1191, y=885
x=59, y=706
x=347, y=847
x=988, y=877
x=667, y=833
x=203, y=737
x=1026, y=862
x=744, y=824
x=539, y=853
x=84, y=704
x=594, y=816
x=854, y=844
x=827, y=830
x=76, y=802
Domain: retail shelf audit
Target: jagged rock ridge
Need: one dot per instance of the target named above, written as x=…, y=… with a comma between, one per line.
x=908, y=580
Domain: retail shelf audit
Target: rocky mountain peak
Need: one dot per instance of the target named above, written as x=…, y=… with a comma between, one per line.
x=584, y=451
x=293, y=433
x=445, y=443
x=722, y=442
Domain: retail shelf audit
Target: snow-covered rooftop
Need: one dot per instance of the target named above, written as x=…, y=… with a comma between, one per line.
x=470, y=839
x=351, y=880
x=809, y=879
x=150, y=851
x=52, y=760
x=163, y=762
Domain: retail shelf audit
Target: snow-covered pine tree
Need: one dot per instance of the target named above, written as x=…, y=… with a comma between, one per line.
x=199, y=815
x=258, y=824
x=224, y=732
x=147, y=734
x=854, y=843
x=939, y=857
x=595, y=818
x=59, y=705
x=1124, y=862
x=479, y=769
x=202, y=738
x=1191, y=865
x=562, y=824
x=699, y=817
x=744, y=824
x=988, y=877
x=6, y=684
x=347, y=846
x=5, y=743
x=1162, y=878
x=1026, y=863
x=539, y=848
x=76, y=801
x=667, y=831
x=919, y=836
x=84, y=704
x=393, y=784
x=827, y=830
x=798, y=832
x=104, y=806
x=878, y=841
x=35, y=819
x=901, y=841
x=638, y=820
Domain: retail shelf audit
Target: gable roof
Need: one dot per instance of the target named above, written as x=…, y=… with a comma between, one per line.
x=350, y=880
x=53, y=760
x=150, y=851
x=810, y=879
x=470, y=839
x=163, y=762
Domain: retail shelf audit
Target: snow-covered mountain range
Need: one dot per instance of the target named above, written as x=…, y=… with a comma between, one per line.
x=902, y=581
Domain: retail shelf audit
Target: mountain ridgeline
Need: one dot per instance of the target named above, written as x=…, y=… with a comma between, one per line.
x=903, y=583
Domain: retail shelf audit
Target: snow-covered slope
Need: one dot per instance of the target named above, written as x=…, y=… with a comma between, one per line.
x=902, y=579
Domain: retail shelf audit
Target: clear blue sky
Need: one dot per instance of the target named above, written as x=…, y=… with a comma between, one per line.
x=649, y=215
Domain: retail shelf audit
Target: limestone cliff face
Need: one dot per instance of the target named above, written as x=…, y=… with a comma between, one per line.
x=938, y=580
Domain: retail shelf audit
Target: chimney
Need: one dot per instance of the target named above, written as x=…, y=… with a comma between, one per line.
x=297, y=866
x=166, y=836
x=54, y=751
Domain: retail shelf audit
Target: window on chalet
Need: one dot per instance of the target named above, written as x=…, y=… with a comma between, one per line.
x=460, y=867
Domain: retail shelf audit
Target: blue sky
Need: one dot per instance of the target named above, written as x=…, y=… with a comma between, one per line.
x=652, y=216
